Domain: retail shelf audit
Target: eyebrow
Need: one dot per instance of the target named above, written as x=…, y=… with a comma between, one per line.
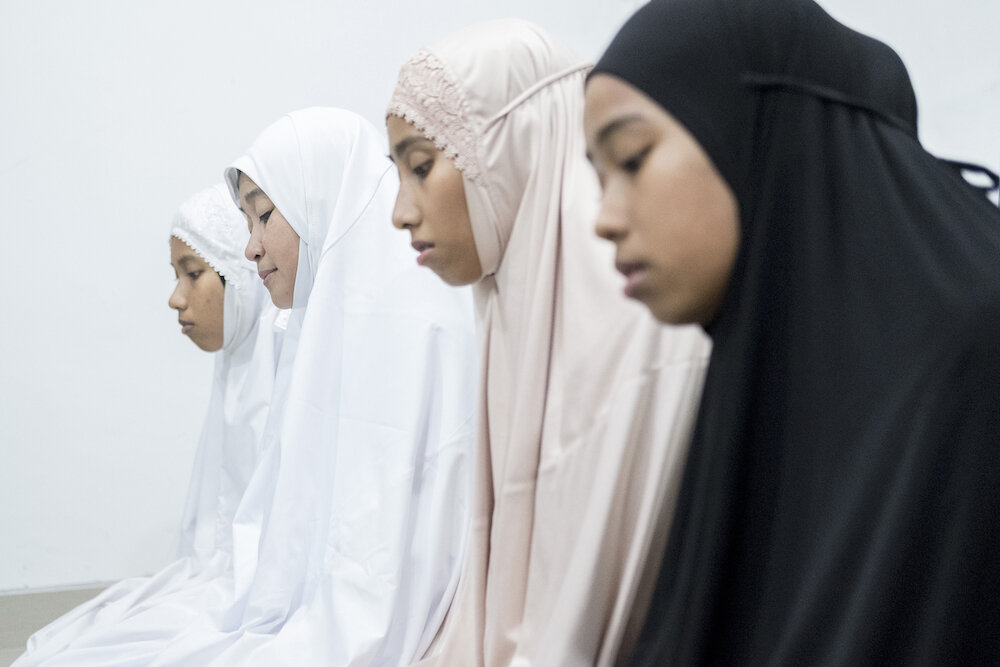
x=253, y=194
x=185, y=260
x=617, y=125
x=405, y=143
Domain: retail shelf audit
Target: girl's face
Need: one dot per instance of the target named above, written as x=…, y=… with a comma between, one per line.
x=198, y=296
x=672, y=217
x=273, y=244
x=431, y=205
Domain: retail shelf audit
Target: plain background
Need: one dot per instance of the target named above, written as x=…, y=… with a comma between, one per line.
x=114, y=112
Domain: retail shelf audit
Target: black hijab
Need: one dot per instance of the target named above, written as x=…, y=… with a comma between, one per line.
x=842, y=495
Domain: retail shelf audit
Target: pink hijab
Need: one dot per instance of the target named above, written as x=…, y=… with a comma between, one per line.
x=586, y=403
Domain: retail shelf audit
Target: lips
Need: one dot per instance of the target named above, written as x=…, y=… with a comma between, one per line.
x=186, y=326
x=424, y=248
x=264, y=275
x=634, y=272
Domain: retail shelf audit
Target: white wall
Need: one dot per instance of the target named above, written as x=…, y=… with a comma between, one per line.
x=952, y=50
x=114, y=112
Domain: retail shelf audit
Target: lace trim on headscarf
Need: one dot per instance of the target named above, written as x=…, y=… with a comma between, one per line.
x=428, y=96
x=212, y=262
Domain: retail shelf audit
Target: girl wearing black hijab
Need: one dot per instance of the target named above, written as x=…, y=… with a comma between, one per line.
x=763, y=177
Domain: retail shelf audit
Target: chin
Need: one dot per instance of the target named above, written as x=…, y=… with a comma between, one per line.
x=666, y=317
x=458, y=282
x=282, y=302
x=671, y=314
x=701, y=314
x=206, y=346
x=460, y=278
x=452, y=280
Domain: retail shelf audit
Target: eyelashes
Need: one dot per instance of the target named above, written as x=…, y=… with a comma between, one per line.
x=633, y=164
x=422, y=169
x=262, y=219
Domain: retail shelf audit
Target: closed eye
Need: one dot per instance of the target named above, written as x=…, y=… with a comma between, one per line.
x=194, y=275
x=265, y=216
x=633, y=164
x=422, y=169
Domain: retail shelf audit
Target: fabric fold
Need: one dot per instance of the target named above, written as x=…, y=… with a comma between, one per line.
x=839, y=498
x=131, y=621
x=585, y=402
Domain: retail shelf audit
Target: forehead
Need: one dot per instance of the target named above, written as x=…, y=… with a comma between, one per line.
x=245, y=184
x=182, y=253
x=400, y=128
x=404, y=135
x=250, y=192
x=609, y=98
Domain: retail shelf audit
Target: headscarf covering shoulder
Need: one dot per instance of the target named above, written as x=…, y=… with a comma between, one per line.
x=354, y=519
x=159, y=607
x=585, y=401
x=834, y=507
x=215, y=229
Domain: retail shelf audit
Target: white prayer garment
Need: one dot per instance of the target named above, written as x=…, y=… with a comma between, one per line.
x=347, y=542
x=131, y=620
x=360, y=504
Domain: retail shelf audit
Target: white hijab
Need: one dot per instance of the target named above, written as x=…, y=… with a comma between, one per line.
x=587, y=403
x=216, y=230
x=359, y=506
x=133, y=621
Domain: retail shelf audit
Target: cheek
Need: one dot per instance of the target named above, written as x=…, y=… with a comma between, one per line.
x=656, y=208
x=471, y=269
x=284, y=248
x=214, y=300
x=700, y=240
x=713, y=218
x=292, y=257
x=676, y=204
x=454, y=204
x=466, y=247
x=444, y=199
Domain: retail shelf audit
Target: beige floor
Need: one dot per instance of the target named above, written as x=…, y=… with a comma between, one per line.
x=23, y=613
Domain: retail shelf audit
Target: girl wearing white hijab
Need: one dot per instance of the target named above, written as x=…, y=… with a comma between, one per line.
x=586, y=403
x=221, y=306
x=359, y=506
x=244, y=374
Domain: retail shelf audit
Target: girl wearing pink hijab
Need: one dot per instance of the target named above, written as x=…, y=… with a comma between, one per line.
x=585, y=402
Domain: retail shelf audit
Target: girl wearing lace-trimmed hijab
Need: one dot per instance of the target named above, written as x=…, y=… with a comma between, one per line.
x=585, y=401
x=840, y=502
x=358, y=508
x=221, y=306
x=208, y=227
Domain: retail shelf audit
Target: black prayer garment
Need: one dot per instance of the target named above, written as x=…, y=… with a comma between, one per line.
x=841, y=502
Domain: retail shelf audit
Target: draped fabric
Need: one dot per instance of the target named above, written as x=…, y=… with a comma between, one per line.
x=585, y=402
x=128, y=622
x=359, y=507
x=347, y=540
x=840, y=498
x=213, y=227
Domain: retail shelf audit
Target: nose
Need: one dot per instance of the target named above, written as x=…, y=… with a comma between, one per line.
x=611, y=219
x=177, y=300
x=405, y=214
x=255, y=249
